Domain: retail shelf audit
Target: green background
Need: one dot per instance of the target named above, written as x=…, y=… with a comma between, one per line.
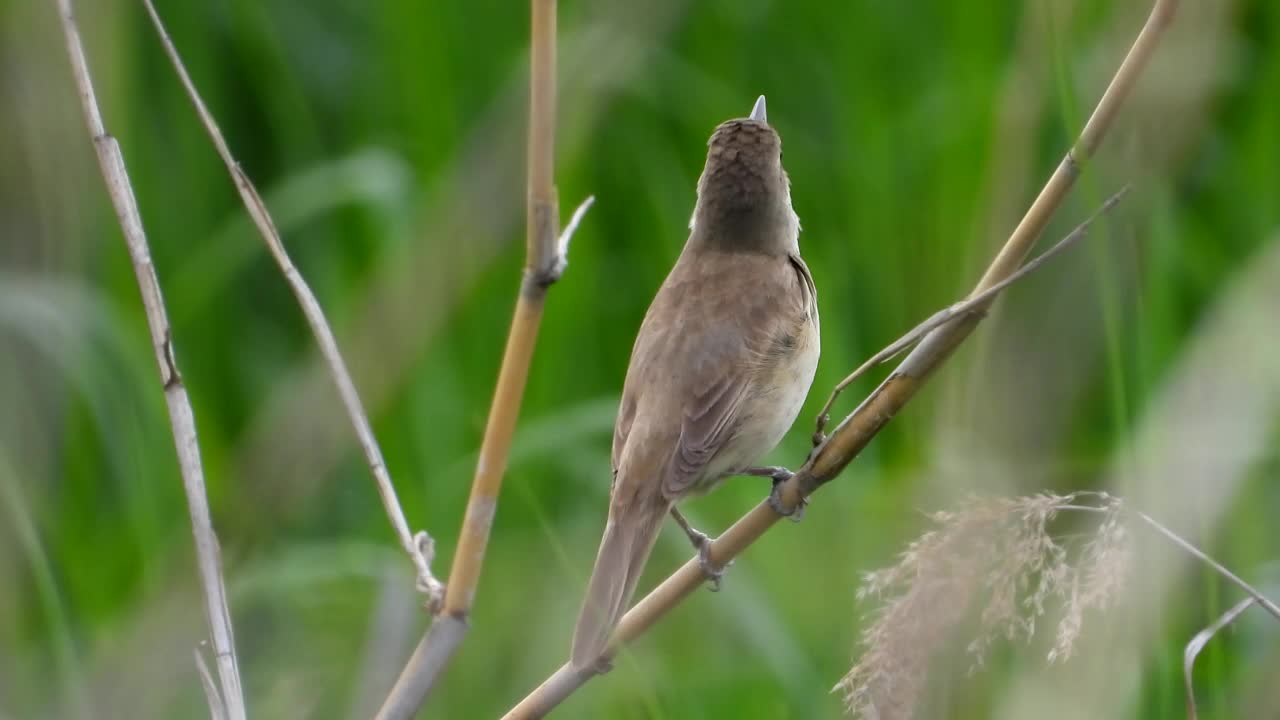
x=388, y=140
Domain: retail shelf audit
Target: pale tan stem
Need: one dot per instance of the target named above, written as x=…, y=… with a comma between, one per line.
x=856, y=431
x=545, y=260
x=420, y=548
x=542, y=214
x=540, y=272
x=181, y=416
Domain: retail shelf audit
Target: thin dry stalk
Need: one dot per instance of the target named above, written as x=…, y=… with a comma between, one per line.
x=420, y=547
x=217, y=711
x=1263, y=601
x=545, y=260
x=857, y=430
x=181, y=416
x=1197, y=644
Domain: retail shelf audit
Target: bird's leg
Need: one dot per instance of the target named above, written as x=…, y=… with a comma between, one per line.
x=779, y=476
x=702, y=544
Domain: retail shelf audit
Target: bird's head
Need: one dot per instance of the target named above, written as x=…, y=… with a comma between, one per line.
x=744, y=195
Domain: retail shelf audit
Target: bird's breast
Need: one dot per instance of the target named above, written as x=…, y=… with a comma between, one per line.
x=770, y=409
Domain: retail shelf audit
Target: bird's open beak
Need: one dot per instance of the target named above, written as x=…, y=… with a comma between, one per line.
x=757, y=112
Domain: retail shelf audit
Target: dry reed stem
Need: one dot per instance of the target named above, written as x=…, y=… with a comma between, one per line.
x=181, y=416
x=857, y=430
x=1263, y=601
x=1197, y=643
x=545, y=260
x=419, y=547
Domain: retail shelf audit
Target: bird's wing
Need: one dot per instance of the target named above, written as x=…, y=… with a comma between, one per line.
x=698, y=355
x=711, y=417
x=809, y=290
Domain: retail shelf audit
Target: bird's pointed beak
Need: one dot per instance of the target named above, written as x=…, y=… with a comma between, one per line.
x=757, y=112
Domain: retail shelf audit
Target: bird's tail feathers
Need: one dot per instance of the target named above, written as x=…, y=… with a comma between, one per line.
x=624, y=549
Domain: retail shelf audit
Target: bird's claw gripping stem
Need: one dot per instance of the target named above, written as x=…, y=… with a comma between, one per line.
x=713, y=573
x=781, y=475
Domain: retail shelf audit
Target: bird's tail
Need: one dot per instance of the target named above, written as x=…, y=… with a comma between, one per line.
x=624, y=549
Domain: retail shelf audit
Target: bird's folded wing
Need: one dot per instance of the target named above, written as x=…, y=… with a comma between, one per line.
x=710, y=419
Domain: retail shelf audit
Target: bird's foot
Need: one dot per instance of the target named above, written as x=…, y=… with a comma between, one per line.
x=702, y=543
x=602, y=665
x=779, y=475
x=710, y=570
x=795, y=514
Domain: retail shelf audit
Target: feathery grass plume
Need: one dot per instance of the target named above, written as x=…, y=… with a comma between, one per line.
x=995, y=551
x=1096, y=580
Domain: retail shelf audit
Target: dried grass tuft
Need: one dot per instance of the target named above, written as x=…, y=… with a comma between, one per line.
x=995, y=551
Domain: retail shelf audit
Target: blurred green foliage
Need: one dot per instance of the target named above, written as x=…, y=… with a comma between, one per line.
x=388, y=140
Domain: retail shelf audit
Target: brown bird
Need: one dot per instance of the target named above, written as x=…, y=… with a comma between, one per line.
x=720, y=367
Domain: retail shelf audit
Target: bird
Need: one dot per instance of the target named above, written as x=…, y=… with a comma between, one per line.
x=721, y=365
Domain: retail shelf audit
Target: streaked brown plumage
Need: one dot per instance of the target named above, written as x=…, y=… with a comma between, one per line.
x=721, y=364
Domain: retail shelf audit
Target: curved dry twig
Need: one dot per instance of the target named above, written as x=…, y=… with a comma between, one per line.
x=419, y=547
x=1197, y=643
